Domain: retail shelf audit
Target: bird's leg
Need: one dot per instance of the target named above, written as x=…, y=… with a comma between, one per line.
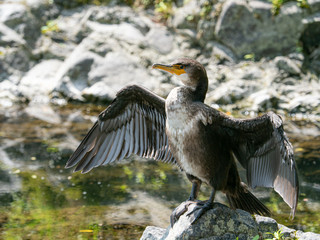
x=194, y=191
x=201, y=208
x=183, y=207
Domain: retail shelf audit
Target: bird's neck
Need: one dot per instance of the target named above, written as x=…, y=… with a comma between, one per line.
x=198, y=93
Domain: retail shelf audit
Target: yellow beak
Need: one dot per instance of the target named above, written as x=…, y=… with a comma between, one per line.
x=174, y=69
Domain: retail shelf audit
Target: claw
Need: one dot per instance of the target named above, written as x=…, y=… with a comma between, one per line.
x=198, y=211
x=179, y=211
x=183, y=208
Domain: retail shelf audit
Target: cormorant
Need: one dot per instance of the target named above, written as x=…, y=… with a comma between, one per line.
x=202, y=141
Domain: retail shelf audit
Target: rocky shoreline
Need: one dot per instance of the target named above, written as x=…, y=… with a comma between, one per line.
x=86, y=54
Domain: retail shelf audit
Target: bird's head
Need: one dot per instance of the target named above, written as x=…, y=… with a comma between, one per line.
x=190, y=72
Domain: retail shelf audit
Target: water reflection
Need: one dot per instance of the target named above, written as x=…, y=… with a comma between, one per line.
x=39, y=199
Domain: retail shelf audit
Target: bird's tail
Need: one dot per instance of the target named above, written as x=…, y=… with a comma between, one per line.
x=245, y=200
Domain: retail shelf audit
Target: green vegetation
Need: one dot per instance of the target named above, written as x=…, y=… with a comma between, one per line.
x=249, y=57
x=51, y=26
x=276, y=4
x=163, y=8
x=277, y=235
x=256, y=237
x=206, y=9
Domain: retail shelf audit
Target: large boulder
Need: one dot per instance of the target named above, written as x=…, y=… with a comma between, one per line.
x=187, y=16
x=249, y=27
x=19, y=18
x=39, y=82
x=311, y=33
x=223, y=223
x=99, y=73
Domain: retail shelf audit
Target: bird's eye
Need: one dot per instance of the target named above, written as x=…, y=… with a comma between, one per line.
x=181, y=67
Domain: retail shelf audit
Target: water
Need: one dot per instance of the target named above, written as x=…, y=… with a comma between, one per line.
x=39, y=199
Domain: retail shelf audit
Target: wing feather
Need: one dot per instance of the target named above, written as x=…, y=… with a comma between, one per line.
x=136, y=133
x=102, y=154
x=134, y=123
x=131, y=130
x=114, y=146
x=141, y=144
x=263, y=149
x=125, y=149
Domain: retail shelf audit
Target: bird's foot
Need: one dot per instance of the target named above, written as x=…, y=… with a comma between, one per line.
x=199, y=210
x=183, y=208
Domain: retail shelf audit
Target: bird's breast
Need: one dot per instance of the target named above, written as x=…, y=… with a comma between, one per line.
x=182, y=128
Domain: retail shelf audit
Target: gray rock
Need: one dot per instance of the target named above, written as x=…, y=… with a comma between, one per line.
x=9, y=94
x=315, y=60
x=219, y=223
x=294, y=234
x=305, y=103
x=103, y=49
x=72, y=77
x=18, y=17
x=43, y=112
x=266, y=225
x=100, y=91
x=263, y=100
x=205, y=30
x=311, y=34
x=287, y=65
x=109, y=71
x=314, y=5
x=76, y=117
x=220, y=53
x=153, y=233
x=122, y=32
x=117, y=14
x=100, y=75
x=18, y=58
x=161, y=40
x=50, y=49
x=306, y=236
x=187, y=16
x=40, y=80
x=223, y=223
x=249, y=27
x=12, y=14
x=232, y=91
x=43, y=10
x=9, y=37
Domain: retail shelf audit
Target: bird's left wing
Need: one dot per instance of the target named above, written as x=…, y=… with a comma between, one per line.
x=263, y=149
x=134, y=123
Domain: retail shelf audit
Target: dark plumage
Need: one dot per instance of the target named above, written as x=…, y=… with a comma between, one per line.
x=202, y=141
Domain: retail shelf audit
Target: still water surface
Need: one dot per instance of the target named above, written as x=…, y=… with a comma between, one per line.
x=39, y=199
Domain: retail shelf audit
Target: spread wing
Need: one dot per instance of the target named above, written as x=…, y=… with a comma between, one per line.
x=134, y=123
x=263, y=149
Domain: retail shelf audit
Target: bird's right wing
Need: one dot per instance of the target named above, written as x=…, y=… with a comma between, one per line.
x=263, y=149
x=134, y=123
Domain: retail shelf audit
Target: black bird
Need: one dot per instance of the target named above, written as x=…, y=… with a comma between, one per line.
x=202, y=141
